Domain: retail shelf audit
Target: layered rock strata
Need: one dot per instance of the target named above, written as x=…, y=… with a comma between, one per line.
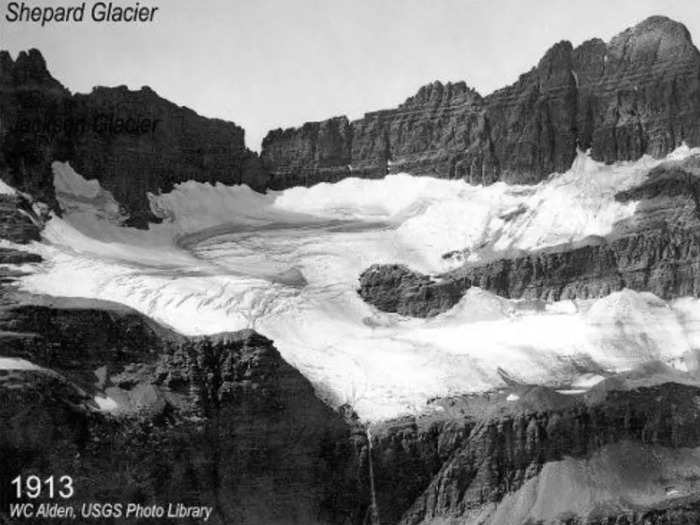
x=656, y=250
x=637, y=94
x=518, y=443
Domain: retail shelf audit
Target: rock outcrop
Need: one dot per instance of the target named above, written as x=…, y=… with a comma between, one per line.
x=397, y=288
x=485, y=458
x=19, y=224
x=132, y=142
x=637, y=94
x=509, y=447
x=319, y=151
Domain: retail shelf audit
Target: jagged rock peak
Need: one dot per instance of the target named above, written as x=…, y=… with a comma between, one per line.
x=660, y=24
x=439, y=93
x=32, y=64
x=29, y=69
x=557, y=61
x=561, y=49
x=655, y=38
x=6, y=62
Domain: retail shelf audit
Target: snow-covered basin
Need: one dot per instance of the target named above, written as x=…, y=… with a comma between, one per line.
x=287, y=263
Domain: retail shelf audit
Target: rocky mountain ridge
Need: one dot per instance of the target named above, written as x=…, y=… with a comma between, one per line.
x=637, y=94
x=132, y=142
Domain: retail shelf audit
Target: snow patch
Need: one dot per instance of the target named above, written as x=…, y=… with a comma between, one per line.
x=67, y=181
x=6, y=189
x=587, y=381
x=105, y=403
x=79, y=196
x=572, y=391
x=13, y=363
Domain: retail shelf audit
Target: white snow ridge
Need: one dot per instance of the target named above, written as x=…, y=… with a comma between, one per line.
x=287, y=264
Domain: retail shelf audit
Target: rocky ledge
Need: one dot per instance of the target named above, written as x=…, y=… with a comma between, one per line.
x=656, y=250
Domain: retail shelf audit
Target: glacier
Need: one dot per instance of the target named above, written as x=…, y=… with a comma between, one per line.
x=286, y=264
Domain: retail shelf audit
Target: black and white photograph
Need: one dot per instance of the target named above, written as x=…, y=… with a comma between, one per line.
x=333, y=262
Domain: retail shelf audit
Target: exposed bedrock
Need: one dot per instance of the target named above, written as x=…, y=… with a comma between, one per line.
x=396, y=288
x=508, y=449
x=637, y=94
x=470, y=462
x=407, y=454
x=656, y=250
x=666, y=263
x=221, y=421
x=19, y=224
x=133, y=142
x=319, y=151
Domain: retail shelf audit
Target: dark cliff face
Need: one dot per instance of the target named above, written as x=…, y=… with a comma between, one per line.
x=319, y=151
x=467, y=462
x=133, y=142
x=220, y=421
x=637, y=94
x=19, y=224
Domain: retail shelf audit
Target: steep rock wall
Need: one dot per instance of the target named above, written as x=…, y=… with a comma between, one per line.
x=133, y=142
x=637, y=94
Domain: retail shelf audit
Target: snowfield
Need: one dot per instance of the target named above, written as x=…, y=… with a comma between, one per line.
x=287, y=263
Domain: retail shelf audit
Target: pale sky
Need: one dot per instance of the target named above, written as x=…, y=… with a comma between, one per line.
x=277, y=63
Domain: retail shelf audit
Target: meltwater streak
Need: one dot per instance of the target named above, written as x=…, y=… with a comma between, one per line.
x=287, y=263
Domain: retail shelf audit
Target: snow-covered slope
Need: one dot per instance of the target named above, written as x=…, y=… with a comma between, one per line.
x=287, y=264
